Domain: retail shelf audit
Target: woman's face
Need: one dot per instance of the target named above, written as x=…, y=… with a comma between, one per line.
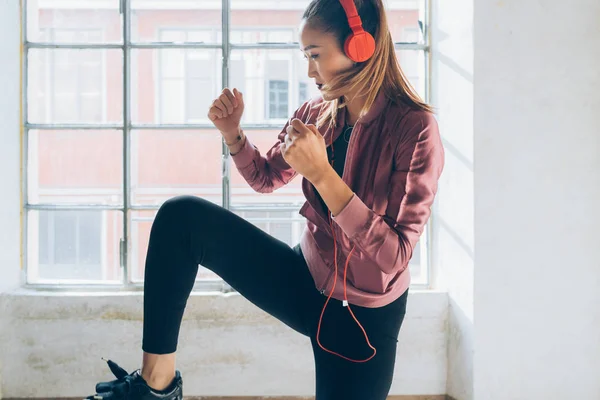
x=324, y=55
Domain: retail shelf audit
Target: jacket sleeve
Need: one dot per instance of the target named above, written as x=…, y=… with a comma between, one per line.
x=268, y=173
x=390, y=240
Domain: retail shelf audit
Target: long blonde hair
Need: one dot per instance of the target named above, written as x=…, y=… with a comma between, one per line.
x=380, y=72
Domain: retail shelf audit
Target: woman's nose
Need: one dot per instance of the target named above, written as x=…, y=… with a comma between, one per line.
x=312, y=71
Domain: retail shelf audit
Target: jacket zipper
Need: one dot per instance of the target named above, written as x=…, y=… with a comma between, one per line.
x=346, y=162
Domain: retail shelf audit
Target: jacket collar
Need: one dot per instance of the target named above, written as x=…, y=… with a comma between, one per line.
x=374, y=112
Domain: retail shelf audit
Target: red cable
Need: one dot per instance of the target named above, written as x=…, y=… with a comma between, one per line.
x=345, y=288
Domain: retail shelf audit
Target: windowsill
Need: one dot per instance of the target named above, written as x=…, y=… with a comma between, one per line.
x=138, y=291
x=222, y=336
x=33, y=303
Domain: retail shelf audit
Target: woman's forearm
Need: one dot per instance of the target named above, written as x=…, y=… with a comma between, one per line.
x=335, y=192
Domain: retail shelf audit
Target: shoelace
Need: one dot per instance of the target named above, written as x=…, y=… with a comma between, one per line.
x=121, y=390
x=118, y=389
x=117, y=371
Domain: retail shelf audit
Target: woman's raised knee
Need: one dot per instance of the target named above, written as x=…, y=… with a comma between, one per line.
x=180, y=206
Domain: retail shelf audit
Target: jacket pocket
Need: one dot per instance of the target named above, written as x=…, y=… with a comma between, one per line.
x=366, y=276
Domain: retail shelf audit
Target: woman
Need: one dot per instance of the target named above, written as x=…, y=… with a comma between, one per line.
x=371, y=156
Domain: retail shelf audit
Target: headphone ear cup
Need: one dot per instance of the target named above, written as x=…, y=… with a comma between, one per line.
x=360, y=46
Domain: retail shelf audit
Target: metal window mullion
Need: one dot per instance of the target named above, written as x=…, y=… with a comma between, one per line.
x=428, y=78
x=234, y=208
x=167, y=45
x=72, y=46
x=191, y=45
x=73, y=207
x=74, y=126
x=225, y=55
x=124, y=243
x=192, y=126
x=117, y=46
x=132, y=126
x=24, y=142
x=411, y=46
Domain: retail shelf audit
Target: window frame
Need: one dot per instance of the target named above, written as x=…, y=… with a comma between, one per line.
x=126, y=45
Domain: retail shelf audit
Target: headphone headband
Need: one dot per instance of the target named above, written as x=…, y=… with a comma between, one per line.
x=352, y=14
x=360, y=45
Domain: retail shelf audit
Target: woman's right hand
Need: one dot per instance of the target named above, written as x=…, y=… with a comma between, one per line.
x=226, y=113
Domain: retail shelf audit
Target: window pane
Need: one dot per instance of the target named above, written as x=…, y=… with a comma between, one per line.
x=196, y=107
x=200, y=17
x=174, y=86
x=170, y=163
x=278, y=99
x=266, y=76
x=75, y=86
x=403, y=20
x=171, y=92
x=74, y=246
x=242, y=194
x=172, y=63
x=75, y=167
x=266, y=21
x=285, y=225
x=141, y=224
x=65, y=237
x=412, y=63
x=81, y=21
x=419, y=263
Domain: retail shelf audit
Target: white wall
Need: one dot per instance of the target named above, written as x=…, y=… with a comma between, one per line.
x=537, y=200
x=452, y=74
x=9, y=152
x=227, y=346
x=10, y=139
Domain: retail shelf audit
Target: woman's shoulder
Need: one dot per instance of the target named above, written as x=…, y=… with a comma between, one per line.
x=404, y=121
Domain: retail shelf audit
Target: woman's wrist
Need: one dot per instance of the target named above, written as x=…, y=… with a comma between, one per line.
x=237, y=144
x=232, y=138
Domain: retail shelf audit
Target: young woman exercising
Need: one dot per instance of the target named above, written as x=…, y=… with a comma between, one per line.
x=370, y=155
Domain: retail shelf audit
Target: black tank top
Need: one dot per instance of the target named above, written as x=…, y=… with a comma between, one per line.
x=340, y=146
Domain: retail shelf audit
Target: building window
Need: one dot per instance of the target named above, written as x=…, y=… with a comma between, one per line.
x=302, y=92
x=187, y=78
x=278, y=99
x=70, y=81
x=70, y=245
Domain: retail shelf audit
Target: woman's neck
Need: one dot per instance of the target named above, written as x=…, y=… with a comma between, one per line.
x=353, y=109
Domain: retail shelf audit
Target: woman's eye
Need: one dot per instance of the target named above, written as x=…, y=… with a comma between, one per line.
x=314, y=56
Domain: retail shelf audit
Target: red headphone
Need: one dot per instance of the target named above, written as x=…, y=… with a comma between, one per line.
x=360, y=45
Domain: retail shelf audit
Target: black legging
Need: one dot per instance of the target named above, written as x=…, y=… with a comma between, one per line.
x=189, y=231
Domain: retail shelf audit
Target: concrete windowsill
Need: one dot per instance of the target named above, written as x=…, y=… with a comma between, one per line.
x=53, y=342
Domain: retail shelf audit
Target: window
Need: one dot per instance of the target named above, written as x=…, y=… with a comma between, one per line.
x=302, y=92
x=284, y=225
x=70, y=244
x=278, y=99
x=71, y=81
x=115, y=123
x=187, y=78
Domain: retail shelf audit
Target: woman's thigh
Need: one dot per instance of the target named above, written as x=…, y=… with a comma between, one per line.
x=338, y=378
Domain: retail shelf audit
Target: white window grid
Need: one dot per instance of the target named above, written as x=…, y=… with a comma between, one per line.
x=126, y=127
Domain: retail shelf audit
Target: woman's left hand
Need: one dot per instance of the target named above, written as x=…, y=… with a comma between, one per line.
x=305, y=151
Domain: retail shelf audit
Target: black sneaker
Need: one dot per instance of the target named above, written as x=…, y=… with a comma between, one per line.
x=134, y=387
